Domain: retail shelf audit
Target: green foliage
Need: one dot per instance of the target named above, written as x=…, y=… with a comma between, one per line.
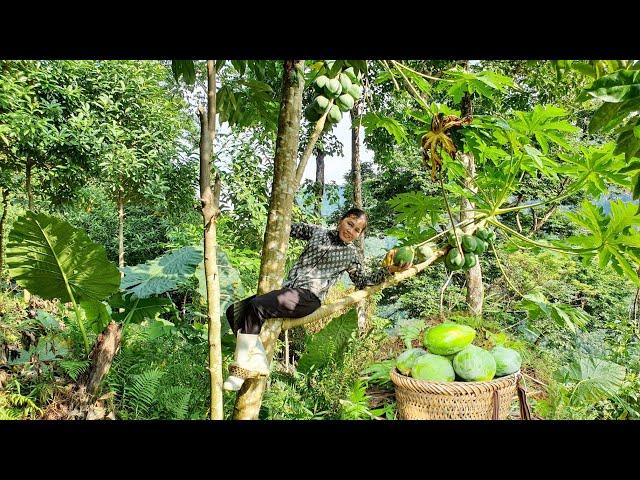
x=593, y=379
x=330, y=343
x=372, y=121
x=15, y=406
x=356, y=405
x=179, y=354
x=615, y=235
x=594, y=167
x=138, y=309
x=231, y=288
x=74, y=368
x=54, y=260
x=162, y=274
x=484, y=83
x=537, y=305
x=408, y=329
x=96, y=314
x=184, y=68
x=380, y=372
x=176, y=401
x=415, y=210
x=147, y=227
x=141, y=391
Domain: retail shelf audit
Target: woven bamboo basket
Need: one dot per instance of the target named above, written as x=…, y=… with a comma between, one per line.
x=424, y=400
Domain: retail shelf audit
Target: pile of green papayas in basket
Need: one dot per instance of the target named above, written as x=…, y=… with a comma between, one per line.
x=449, y=355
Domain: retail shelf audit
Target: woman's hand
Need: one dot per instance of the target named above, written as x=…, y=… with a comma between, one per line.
x=388, y=262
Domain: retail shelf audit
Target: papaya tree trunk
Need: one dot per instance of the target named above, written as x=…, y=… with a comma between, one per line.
x=319, y=185
x=356, y=178
x=284, y=186
x=210, y=203
x=475, y=288
x=5, y=207
x=121, y=230
x=28, y=183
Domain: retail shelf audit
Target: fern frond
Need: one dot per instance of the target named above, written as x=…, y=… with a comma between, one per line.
x=175, y=400
x=74, y=368
x=330, y=343
x=140, y=394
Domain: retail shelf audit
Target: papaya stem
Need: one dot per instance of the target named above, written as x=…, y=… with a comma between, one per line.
x=446, y=202
x=570, y=251
x=504, y=274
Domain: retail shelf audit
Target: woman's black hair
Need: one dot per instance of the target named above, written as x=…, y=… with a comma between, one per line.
x=358, y=213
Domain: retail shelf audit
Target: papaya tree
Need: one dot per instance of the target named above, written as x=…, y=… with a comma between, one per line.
x=541, y=142
x=288, y=172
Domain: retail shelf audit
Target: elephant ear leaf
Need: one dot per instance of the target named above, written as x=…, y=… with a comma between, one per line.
x=162, y=274
x=136, y=310
x=97, y=315
x=53, y=259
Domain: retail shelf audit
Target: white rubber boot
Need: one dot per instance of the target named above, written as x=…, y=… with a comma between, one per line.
x=250, y=361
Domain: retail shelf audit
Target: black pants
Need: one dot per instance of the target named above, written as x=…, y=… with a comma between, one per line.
x=249, y=314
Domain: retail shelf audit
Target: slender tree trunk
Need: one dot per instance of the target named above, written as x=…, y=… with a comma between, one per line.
x=26, y=295
x=121, y=230
x=540, y=222
x=319, y=185
x=210, y=201
x=5, y=207
x=285, y=184
x=356, y=170
x=28, y=183
x=356, y=177
x=475, y=288
x=633, y=315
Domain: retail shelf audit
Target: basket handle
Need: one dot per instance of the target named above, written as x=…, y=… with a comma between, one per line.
x=525, y=411
x=496, y=406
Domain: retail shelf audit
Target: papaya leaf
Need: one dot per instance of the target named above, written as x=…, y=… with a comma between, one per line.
x=592, y=379
x=485, y=83
x=595, y=165
x=162, y=274
x=616, y=87
x=628, y=142
x=414, y=208
x=52, y=259
x=603, y=115
x=372, y=121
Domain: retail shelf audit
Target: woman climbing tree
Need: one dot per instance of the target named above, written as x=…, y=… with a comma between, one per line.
x=327, y=255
